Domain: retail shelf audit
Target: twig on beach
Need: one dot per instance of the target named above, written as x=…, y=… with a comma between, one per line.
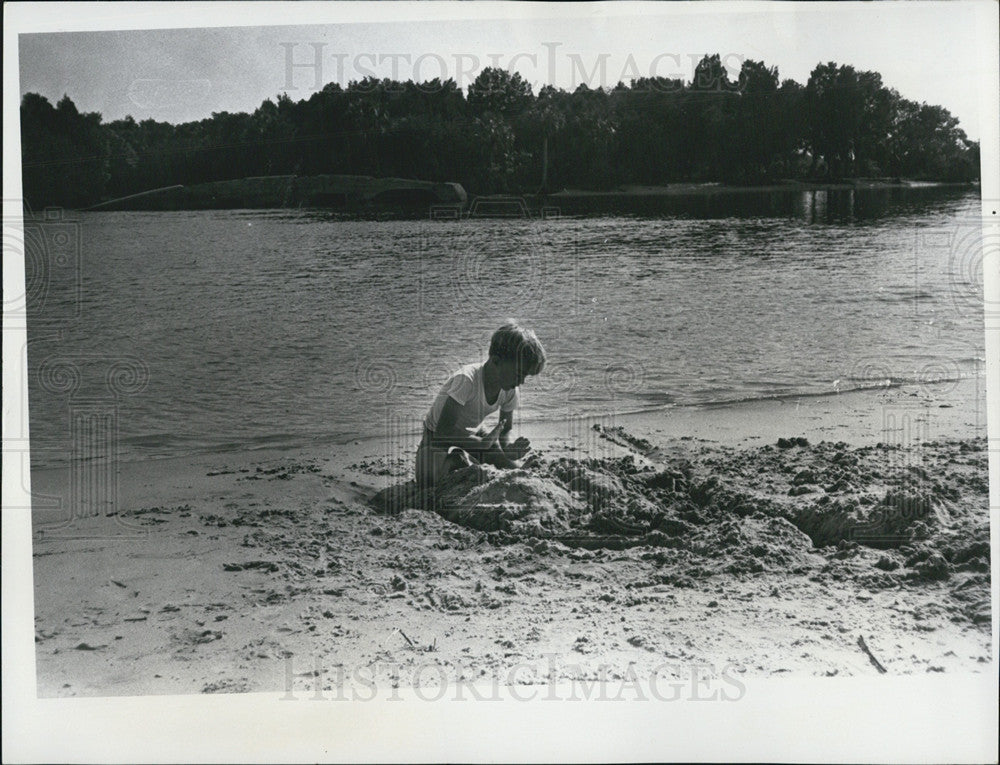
x=412, y=644
x=871, y=656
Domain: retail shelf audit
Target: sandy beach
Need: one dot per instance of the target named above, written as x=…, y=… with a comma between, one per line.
x=748, y=540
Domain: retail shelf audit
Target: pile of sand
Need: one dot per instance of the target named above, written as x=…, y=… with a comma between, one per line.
x=877, y=513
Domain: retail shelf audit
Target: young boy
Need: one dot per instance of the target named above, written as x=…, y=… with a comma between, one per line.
x=451, y=438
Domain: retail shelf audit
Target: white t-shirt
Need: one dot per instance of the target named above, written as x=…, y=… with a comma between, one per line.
x=466, y=388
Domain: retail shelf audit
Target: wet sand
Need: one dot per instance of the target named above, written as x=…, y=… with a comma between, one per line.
x=831, y=536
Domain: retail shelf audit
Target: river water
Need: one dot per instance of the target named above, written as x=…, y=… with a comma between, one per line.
x=195, y=331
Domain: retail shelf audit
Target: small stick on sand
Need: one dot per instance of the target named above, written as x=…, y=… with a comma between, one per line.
x=414, y=645
x=871, y=656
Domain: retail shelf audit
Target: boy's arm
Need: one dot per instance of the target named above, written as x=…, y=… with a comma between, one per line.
x=447, y=434
x=506, y=426
x=485, y=447
x=519, y=448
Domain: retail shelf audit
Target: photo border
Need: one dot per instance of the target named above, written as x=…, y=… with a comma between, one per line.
x=846, y=719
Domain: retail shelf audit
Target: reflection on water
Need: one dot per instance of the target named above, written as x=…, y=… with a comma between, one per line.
x=829, y=205
x=191, y=330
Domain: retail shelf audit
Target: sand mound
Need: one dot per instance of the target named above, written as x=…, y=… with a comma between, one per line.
x=901, y=517
x=612, y=504
x=786, y=507
x=518, y=502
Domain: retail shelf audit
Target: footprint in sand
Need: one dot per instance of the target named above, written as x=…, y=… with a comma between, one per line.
x=42, y=634
x=263, y=565
x=194, y=637
x=89, y=647
x=228, y=685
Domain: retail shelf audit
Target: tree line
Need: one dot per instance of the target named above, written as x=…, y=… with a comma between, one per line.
x=501, y=137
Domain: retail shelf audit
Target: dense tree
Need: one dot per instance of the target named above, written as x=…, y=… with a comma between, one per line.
x=500, y=137
x=651, y=131
x=758, y=127
x=64, y=153
x=709, y=110
x=541, y=121
x=498, y=91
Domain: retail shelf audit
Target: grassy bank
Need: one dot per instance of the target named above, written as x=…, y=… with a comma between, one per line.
x=347, y=192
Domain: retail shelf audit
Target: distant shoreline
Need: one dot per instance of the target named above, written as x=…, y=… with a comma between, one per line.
x=685, y=189
x=362, y=194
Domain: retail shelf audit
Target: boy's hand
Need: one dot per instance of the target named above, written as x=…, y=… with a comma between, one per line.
x=518, y=449
x=491, y=438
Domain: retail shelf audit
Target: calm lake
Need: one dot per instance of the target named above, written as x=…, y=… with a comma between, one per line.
x=225, y=329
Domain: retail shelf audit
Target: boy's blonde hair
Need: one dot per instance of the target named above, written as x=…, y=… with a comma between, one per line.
x=512, y=342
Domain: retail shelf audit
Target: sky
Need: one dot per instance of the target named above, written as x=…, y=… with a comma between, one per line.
x=927, y=51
